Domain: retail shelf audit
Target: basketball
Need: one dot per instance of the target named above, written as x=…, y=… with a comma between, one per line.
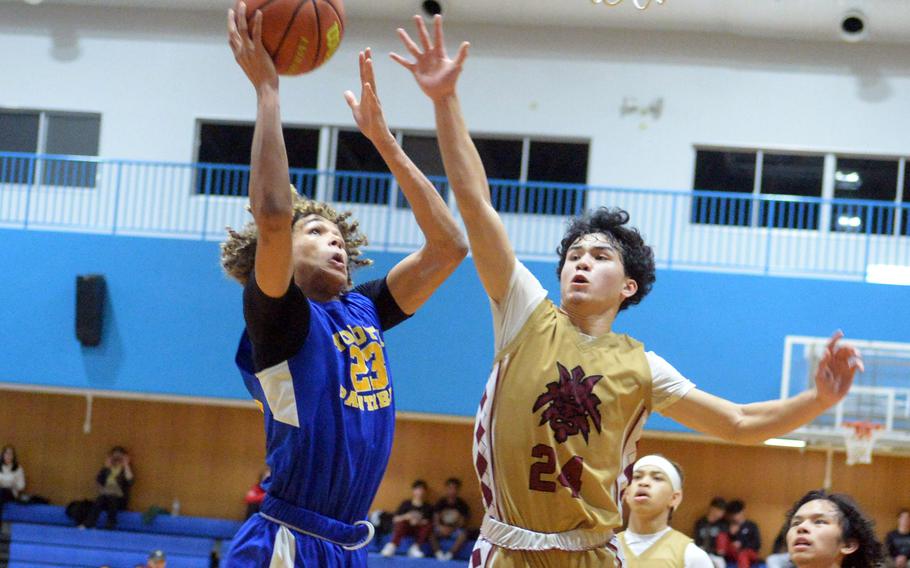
x=300, y=35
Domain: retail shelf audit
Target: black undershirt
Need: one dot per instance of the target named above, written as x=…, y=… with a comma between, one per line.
x=278, y=327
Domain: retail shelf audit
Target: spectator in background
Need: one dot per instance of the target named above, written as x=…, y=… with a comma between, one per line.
x=829, y=530
x=256, y=494
x=413, y=518
x=114, y=482
x=12, y=476
x=156, y=559
x=654, y=493
x=709, y=527
x=742, y=541
x=897, y=543
x=449, y=519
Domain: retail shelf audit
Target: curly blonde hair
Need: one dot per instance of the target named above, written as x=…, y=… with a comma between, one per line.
x=238, y=250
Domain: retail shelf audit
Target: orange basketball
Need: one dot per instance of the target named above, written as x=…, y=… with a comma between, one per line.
x=300, y=35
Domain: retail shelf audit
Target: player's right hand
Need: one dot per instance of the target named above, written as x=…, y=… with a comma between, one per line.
x=434, y=71
x=248, y=50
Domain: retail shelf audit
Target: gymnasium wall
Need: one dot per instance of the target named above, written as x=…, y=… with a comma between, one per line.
x=172, y=321
x=152, y=73
x=208, y=456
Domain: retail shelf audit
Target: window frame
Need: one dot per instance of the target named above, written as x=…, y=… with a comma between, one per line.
x=297, y=175
x=824, y=221
x=41, y=163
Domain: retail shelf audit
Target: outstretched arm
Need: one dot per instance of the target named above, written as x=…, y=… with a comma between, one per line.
x=437, y=75
x=271, y=201
x=417, y=276
x=754, y=423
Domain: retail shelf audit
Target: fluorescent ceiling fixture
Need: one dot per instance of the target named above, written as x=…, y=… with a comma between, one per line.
x=846, y=221
x=848, y=177
x=785, y=443
x=888, y=274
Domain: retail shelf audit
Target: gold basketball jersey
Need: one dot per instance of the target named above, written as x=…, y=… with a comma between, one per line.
x=668, y=552
x=557, y=427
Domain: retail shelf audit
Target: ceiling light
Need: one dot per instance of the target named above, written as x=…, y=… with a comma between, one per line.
x=846, y=177
x=847, y=221
x=785, y=443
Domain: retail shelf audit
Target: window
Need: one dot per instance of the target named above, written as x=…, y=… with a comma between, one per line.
x=509, y=162
x=424, y=152
x=553, y=165
x=868, y=180
x=797, y=175
x=363, y=176
x=61, y=134
x=905, y=208
x=224, y=158
x=562, y=163
x=502, y=161
x=727, y=172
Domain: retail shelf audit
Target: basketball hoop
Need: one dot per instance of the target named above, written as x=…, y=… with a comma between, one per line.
x=640, y=4
x=860, y=438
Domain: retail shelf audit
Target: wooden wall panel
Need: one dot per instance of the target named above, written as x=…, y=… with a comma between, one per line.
x=208, y=456
x=205, y=456
x=434, y=452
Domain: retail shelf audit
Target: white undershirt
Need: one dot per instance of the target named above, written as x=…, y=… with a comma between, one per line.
x=12, y=480
x=640, y=543
x=524, y=295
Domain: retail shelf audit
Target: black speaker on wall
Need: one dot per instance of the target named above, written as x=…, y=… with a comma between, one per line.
x=90, y=292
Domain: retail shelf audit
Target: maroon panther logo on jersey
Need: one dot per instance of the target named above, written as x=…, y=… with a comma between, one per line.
x=571, y=403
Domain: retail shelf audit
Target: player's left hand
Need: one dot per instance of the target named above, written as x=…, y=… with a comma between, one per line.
x=835, y=372
x=368, y=111
x=434, y=71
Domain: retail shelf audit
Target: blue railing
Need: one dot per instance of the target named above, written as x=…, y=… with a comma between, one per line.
x=688, y=229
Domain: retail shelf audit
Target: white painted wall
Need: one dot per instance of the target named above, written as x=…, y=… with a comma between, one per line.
x=153, y=73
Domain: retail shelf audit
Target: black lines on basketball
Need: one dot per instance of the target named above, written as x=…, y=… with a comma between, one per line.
x=288, y=27
x=337, y=14
x=318, y=32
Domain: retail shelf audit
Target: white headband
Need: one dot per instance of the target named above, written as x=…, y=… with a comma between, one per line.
x=664, y=465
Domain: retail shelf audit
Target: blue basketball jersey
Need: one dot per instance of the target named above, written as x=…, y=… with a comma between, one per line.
x=329, y=411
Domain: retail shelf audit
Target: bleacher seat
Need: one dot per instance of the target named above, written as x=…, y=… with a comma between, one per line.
x=463, y=555
x=126, y=521
x=400, y=559
x=33, y=554
x=36, y=514
x=113, y=540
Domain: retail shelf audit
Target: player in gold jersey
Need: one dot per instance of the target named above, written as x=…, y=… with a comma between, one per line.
x=654, y=492
x=567, y=398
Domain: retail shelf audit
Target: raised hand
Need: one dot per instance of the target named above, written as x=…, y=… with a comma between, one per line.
x=368, y=111
x=435, y=72
x=836, y=370
x=248, y=50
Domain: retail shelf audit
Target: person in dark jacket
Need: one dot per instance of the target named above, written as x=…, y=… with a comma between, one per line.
x=897, y=542
x=742, y=541
x=709, y=527
x=114, y=482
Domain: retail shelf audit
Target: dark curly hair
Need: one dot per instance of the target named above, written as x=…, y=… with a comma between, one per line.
x=238, y=251
x=854, y=525
x=637, y=257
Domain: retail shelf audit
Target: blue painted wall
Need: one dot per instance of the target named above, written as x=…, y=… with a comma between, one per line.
x=172, y=321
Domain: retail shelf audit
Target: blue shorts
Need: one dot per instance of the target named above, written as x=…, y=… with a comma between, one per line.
x=263, y=543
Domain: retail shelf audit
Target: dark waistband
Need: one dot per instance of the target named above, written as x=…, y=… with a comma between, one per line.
x=309, y=523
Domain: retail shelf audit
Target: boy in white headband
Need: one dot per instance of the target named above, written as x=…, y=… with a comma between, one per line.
x=653, y=494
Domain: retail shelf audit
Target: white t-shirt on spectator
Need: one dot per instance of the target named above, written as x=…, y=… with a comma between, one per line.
x=12, y=480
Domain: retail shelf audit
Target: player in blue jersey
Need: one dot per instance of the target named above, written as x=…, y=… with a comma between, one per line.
x=313, y=353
